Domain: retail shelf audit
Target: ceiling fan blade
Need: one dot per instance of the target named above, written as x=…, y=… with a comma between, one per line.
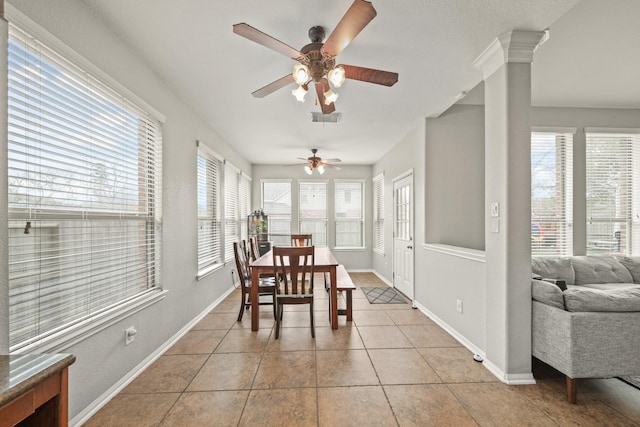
x=357, y=17
x=331, y=160
x=321, y=88
x=273, y=86
x=370, y=75
x=331, y=166
x=255, y=35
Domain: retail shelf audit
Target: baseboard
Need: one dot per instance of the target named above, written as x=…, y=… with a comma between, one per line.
x=511, y=379
x=84, y=415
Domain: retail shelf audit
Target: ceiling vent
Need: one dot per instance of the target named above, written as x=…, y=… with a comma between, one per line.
x=325, y=118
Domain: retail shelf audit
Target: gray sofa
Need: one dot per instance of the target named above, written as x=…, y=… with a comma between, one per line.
x=586, y=316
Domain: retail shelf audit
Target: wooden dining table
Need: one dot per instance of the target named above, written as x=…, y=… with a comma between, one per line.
x=325, y=262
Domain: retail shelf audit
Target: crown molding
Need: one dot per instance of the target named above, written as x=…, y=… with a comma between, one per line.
x=514, y=47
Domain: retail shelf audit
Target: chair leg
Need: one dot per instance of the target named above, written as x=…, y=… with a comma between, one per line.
x=278, y=319
x=242, y=308
x=275, y=306
x=313, y=330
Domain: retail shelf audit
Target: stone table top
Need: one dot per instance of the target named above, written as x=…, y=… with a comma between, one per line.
x=21, y=372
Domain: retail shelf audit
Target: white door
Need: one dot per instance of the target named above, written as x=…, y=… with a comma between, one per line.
x=403, y=234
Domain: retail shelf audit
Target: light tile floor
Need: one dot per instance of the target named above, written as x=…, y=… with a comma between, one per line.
x=391, y=366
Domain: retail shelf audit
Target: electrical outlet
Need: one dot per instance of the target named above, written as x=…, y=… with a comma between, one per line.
x=459, y=305
x=129, y=335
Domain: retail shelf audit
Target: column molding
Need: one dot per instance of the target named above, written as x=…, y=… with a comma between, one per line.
x=514, y=46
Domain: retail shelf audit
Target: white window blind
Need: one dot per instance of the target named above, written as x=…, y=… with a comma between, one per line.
x=313, y=210
x=378, y=213
x=209, y=169
x=276, y=203
x=613, y=192
x=551, y=193
x=84, y=170
x=231, y=212
x=349, y=214
x=245, y=205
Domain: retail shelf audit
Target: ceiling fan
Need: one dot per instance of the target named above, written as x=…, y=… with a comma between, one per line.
x=315, y=162
x=316, y=61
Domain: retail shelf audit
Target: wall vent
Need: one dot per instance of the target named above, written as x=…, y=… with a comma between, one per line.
x=325, y=118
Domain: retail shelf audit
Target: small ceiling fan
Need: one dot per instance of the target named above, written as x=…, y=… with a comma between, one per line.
x=316, y=61
x=315, y=162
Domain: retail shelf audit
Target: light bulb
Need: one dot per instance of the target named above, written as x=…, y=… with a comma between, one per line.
x=307, y=169
x=337, y=76
x=300, y=92
x=300, y=73
x=321, y=169
x=329, y=97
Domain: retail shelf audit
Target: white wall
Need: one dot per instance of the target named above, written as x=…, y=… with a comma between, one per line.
x=449, y=260
x=102, y=359
x=352, y=259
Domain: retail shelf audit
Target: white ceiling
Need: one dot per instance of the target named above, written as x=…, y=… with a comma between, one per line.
x=430, y=43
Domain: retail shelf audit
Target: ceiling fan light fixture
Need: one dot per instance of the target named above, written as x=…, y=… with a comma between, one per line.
x=300, y=92
x=330, y=97
x=308, y=169
x=321, y=169
x=337, y=76
x=301, y=73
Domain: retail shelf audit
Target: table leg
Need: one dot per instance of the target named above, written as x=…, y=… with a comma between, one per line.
x=255, y=299
x=333, y=304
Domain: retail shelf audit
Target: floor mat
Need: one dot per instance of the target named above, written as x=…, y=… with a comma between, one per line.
x=634, y=381
x=384, y=295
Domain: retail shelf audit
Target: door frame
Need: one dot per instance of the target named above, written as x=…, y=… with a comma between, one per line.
x=405, y=174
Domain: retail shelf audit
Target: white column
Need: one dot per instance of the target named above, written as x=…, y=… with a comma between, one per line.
x=506, y=67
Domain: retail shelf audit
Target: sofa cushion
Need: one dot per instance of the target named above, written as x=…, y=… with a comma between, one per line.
x=553, y=268
x=632, y=263
x=580, y=298
x=599, y=269
x=547, y=293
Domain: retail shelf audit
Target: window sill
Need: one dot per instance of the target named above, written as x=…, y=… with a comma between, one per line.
x=81, y=331
x=208, y=270
x=349, y=249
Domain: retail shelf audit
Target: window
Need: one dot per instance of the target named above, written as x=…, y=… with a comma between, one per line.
x=313, y=210
x=378, y=214
x=551, y=193
x=209, y=222
x=613, y=191
x=349, y=214
x=276, y=203
x=84, y=170
x=245, y=205
x=231, y=212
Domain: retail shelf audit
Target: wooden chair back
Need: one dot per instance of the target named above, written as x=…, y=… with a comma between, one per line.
x=294, y=265
x=253, y=248
x=242, y=263
x=301, y=240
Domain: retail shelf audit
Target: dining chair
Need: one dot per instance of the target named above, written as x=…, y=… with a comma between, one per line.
x=301, y=240
x=253, y=248
x=294, y=265
x=267, y=286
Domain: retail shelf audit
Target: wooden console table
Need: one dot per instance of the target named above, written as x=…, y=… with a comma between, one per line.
x=33, y=389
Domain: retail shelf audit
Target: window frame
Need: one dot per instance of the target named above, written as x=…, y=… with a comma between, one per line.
x=562, y=215
x=214, y=190
x=71, y=332
x=278, y=238
x=378, y=213
x=628, y=223
x=337, y=220
x=323, y=221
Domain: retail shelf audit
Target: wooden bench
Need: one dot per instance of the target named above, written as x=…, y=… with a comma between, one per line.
x=343, y=283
